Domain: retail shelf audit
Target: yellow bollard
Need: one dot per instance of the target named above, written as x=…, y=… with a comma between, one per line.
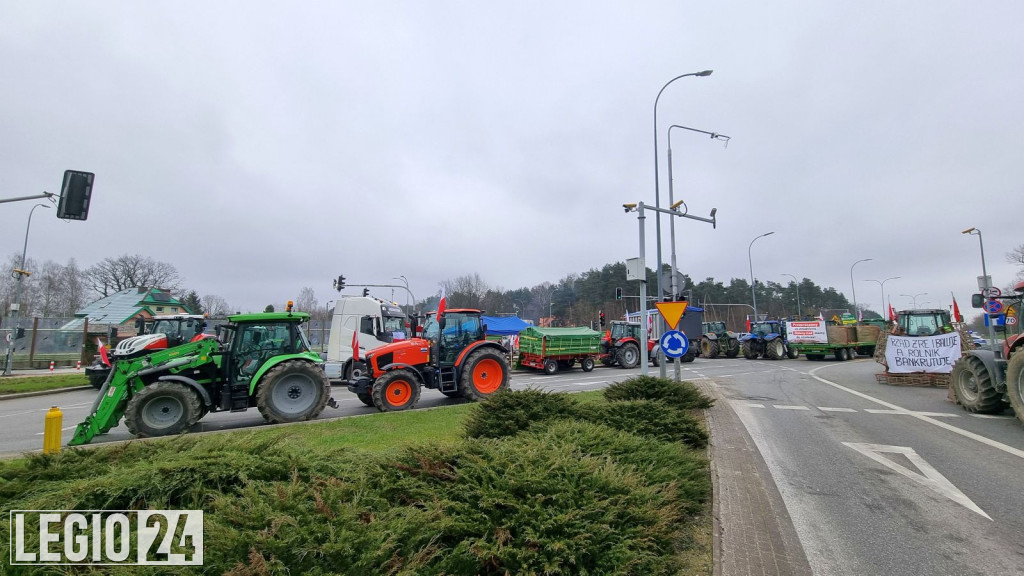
x=52, y=432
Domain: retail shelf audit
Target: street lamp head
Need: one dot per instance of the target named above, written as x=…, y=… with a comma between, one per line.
x=629, y=207
x=704, y=73
x=768, y=233
x=714, y=221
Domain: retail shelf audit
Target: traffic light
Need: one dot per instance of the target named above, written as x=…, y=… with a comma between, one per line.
x=366, y=292
x=618, y=293
x=602, y=319
x=339, y=284
x=75, y=194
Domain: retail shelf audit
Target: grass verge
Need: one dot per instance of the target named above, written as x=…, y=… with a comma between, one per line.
x=585, y=487
x=20, y=384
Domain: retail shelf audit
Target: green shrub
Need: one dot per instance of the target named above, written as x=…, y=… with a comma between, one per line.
x=510, y=412
x=650, y=418
x=682, y=395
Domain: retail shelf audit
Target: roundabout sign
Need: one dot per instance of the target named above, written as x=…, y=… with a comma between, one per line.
x=674, y=344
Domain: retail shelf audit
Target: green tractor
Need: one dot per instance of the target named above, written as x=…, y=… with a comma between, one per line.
x=261, y=361
x=717, y=339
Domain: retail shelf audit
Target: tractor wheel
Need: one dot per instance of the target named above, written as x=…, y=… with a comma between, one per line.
x=628, y=356
x=792, y=353
x=689, y=356
x=550, y=366
x=484, y=374
x=655, y=355
x=774, y=350
x=732, y=348
x=709, y=348
x=161, y=409
x=1015, y=383
x=587, y=364
x=396, y=390
x=97, y=377
x=749, y=352
x=365, y=398
x=972, y=385
x=293, y=391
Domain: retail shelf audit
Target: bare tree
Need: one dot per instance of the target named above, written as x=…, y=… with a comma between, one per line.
x=307, y=302
x=129, y=271
x=215, y=306
x=1016, y=256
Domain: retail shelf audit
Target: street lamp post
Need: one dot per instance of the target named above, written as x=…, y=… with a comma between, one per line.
x=881, y=286
x=20, y=277
x=988, y=284
x=750, y=261
x=671, y=198
x=657, y=191
x=323, y=325
x=913, y=298
x=854, y=287
x=407, y=291
x=797, y=282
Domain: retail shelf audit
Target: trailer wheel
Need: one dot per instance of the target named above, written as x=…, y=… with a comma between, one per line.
x=161, y=409
x=749, y=352
x=1015, y=383
x=792, y=353
x=709, y=348
x=484, y=374
x=587, y=364
x=628, y=356
x=732, y=349
x=841, y=354
x=972, y=385
x=774, y=350
x=293, y=391
x=396, y=390
x=550, y=366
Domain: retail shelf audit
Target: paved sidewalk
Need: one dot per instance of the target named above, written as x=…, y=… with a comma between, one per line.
x=754, y=534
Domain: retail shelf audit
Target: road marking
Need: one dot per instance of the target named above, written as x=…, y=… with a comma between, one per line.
x=784, y=407
x=930, y=477
x=827, y=409
x=753, y=405
x=908, y=413
x=987, y=441
x=992, y=416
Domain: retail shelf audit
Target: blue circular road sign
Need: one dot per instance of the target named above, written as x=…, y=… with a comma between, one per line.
x=993, y=306
x=674, y=344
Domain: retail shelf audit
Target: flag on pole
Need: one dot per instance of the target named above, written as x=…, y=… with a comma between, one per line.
x=442, y=304
x=355, y=345
x=892, y=314
x=748, y=322
x=956, y=310
x=820, y=316
x=860, y=315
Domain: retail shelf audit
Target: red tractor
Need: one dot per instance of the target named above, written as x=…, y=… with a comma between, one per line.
x=452, y=356
x=621, y=344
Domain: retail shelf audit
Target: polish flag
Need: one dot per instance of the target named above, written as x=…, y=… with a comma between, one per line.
x=103, y=352
x=892, y=313
x=355, y=345
x=820, y=316
x=956, y=312
x=442, y=304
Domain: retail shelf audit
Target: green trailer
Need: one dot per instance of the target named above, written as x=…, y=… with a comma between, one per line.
x=816, y=339
x=554, y=349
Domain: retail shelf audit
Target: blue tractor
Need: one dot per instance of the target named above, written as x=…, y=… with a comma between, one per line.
x=767, y=339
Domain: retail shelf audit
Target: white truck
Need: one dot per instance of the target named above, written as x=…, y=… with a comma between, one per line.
x=378, y=322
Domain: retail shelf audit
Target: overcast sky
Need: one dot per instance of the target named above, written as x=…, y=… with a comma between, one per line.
x=261, y=147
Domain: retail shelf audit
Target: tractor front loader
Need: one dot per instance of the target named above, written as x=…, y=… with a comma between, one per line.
x=258, y=360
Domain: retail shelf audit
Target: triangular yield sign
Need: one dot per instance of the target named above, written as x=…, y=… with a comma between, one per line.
x=672, y=312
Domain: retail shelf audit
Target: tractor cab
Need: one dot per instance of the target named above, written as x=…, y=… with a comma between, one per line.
x=716, y=327
x=923, y=322
x=620, y=330
x=456, y=330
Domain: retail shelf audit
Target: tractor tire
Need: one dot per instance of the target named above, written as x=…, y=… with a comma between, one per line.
x=1015, y=383
x=293, y=391
x=365, y=398
x=655, y=357
x=607, y=361
x=550, y=366
x=396, y=390
x=587, y=364
x=749, y=352
x=689, y=356
x=162, y=409
x=972, y=385
x=628, y=356
x=484, y=374
x=709, y=348
x=774, y=350
x=732, y=348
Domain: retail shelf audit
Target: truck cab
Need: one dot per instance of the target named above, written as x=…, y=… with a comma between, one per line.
x=377, y=323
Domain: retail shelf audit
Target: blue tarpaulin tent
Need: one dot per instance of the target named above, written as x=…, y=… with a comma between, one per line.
x=503, y=325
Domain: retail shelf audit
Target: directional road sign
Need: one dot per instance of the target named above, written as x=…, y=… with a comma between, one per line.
x=674, y=344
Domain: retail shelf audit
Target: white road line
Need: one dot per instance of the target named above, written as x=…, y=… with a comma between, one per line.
x=784, y=407
x=828, y=409
x=928, y=476
x=753, y=405
x=987, y=441
x=908, y=412
x=992, y=416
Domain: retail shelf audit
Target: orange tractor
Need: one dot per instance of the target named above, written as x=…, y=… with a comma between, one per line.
x=452, y=356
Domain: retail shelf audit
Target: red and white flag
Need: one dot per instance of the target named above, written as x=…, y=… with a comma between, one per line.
x=892, y=313
x=355, y=345
x=956, y=311
x=442, y=304
x=820, y=316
